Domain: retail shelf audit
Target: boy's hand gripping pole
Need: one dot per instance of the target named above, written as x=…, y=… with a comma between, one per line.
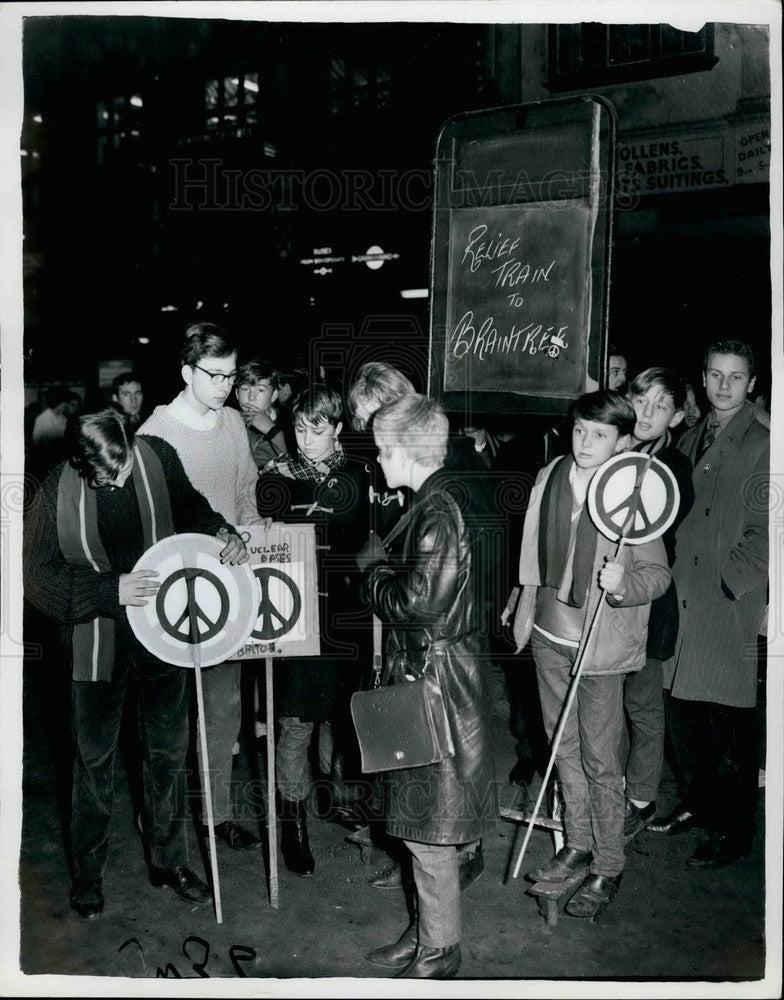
x=634, y=503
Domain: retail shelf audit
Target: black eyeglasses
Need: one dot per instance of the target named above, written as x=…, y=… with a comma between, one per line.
x=218, y=378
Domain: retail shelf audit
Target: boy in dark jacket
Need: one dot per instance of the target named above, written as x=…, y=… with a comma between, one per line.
x=658, y=396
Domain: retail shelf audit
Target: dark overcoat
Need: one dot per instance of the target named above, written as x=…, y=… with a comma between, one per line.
x=429, y=594
x=721, y=565
x=314, y=688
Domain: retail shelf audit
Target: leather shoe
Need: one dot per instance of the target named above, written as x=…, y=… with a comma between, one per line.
x=637, y=818
x=397, y=955
x=471, y=867
x=236, y=836
x=87, y=897
x=185, y=883
x=716, y=852
x=678, y=821
x=432, y=963
x=596, y=892
x=392, y=878
x=567, y=862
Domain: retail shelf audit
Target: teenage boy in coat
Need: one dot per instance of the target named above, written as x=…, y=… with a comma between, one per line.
x=721, y=574
x=566, y=568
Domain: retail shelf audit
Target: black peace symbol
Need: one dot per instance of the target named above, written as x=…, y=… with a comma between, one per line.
x=267, y=610
x=192, y=612
x=633, y=505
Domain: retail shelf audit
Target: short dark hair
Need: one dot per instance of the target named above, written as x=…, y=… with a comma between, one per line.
x=738, y=347
x=124, y=379
x=318, y=403
x=205, y=340
x=57, y=394
x=255, y=371
x=666, y=379
x=605, y=407
x=101, y=446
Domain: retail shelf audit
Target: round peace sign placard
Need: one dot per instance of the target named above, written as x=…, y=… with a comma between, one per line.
x=624, y=487
x=199, y=600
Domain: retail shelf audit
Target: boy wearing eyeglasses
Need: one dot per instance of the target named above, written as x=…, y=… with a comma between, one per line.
x=212, y=444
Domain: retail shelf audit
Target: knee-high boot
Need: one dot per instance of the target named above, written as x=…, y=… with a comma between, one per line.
x=294, y=843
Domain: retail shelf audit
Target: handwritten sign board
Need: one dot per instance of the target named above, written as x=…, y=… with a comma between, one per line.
x=283, y=561
x=521, y=241
x=516, y=276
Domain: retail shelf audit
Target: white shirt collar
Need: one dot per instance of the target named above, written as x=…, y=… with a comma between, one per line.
x=181, y=410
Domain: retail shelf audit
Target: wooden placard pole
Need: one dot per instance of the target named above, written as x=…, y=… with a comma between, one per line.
x=272, y=812
x=205, y=764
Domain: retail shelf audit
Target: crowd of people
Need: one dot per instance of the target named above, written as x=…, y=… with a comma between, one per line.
x=416, y=540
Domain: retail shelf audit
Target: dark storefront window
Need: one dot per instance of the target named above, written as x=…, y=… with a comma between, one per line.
x=358, y=86
x=582, y=55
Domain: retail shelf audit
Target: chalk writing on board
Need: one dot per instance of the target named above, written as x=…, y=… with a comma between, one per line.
x=519, y=297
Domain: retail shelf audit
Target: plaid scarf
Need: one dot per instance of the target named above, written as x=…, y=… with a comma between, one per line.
x=303, y=468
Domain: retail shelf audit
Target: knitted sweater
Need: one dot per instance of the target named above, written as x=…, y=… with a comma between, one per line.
x=217, y=459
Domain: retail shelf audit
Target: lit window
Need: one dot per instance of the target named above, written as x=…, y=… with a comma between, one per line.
x=118, y=122
x=251, y=88
x=232, y=102
x=231, y=86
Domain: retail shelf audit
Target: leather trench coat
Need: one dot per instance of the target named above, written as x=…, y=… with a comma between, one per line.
x=429, y=596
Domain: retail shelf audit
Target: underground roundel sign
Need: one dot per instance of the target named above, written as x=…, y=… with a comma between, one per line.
x=199, y=601
x=633, y=487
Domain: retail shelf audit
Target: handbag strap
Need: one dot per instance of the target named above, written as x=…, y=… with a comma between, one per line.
x=377, y=662
x=401, y=524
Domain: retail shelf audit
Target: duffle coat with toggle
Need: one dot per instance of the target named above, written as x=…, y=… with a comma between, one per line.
x=429, y=597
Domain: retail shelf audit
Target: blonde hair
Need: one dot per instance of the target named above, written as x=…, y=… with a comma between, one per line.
x=377, y=383
x=417, y=424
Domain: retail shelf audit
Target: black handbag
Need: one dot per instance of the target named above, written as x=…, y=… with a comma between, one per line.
x=401, y=725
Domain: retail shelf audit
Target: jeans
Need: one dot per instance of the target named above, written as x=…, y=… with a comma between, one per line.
x=96, y=714
x=222, y=718
x=716, y=764
x=437, y=881
x=590, y=771
x=292, y=762
x=644, y=704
